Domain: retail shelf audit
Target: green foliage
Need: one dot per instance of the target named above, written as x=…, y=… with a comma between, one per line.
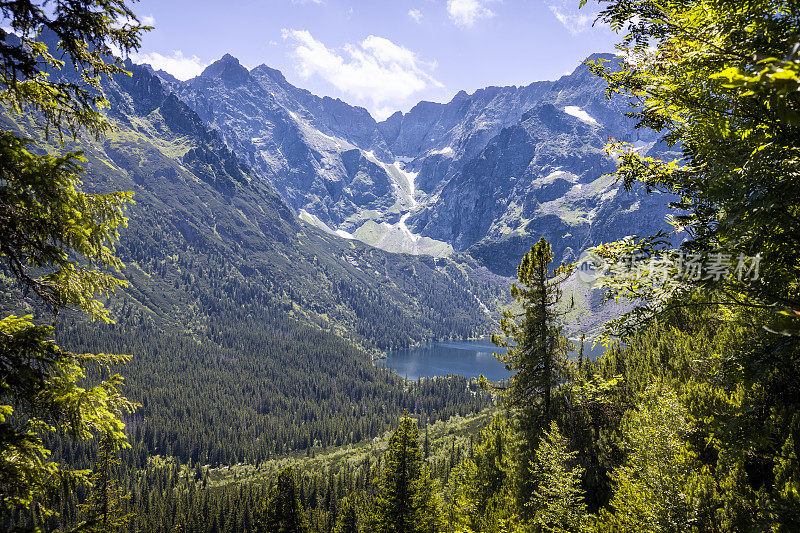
x=558, y=501
x=649, y=488
x=282, y=512
x=536, y=347
x=103, y=507
x=46, y=221
x=351, y=518
x=166, y=495
x=718, y=79
x=41, y=395
x=89, y=35
x=734, y=430
x=261, y=388
x=407, y=501
x=482, y=492
x=56, y=240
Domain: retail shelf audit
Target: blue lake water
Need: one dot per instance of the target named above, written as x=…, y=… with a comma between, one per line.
x=465, y=358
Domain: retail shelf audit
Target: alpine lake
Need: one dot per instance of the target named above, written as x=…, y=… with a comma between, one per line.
x=470, y=358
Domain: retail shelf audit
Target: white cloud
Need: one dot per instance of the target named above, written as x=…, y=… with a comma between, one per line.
x=467, y=12
x=376, y=69
x=148, y=20
x=575, y=20
x=180, y=66
x=415, y=14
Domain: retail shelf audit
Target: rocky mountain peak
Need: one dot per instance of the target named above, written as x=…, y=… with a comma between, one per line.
x=272, y=73
x=488, y=172
x=228, y=69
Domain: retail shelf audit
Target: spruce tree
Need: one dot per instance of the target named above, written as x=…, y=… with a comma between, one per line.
x=348, y=520
x=104, y=506
x=428, y=515
x=558, y=499
x=407, y=501
x=56, y=241
x=282, y=512
x=535, y=346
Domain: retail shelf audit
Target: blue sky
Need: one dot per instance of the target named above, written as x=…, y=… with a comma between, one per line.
x=381, y=54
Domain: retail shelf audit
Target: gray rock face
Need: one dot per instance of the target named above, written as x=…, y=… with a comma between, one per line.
x=488, y=173
x=309, y=148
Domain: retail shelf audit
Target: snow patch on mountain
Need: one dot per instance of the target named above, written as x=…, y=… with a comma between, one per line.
x=447, y=151
x=580, y=114
x=403, y=181
x=410, y=178
x=399, y=238
x=402, y=224
x=314, y=220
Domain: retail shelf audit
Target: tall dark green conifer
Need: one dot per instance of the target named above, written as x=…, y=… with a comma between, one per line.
x=536, y=347
x=104, y=506
x=282, y=512
x=407, y=502
x=349, y=520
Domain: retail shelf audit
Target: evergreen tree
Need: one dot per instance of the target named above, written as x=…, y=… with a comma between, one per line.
x=103, y=507
x=535, y=345
x=428, y=514
x=349, y=519
x=650, y=488
x=558, y=499
x=55, y=240
x=406, y=502
x=282, y=512
x=494, y=463
x=482, y=493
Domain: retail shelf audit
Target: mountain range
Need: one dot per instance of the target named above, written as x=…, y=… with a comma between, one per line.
x=487, y=173
x=260, y=325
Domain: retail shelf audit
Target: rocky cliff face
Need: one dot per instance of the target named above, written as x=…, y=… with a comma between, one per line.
x=487, y=173
x=516, y=164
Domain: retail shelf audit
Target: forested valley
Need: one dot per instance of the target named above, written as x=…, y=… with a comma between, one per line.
x=180, y=352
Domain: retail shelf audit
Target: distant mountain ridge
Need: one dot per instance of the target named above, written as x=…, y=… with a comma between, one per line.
x=487, y=173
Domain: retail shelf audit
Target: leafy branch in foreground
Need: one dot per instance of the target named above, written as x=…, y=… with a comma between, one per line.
x=46, y=221
x=719, y=80
x=90, y=36
x=56, y=241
